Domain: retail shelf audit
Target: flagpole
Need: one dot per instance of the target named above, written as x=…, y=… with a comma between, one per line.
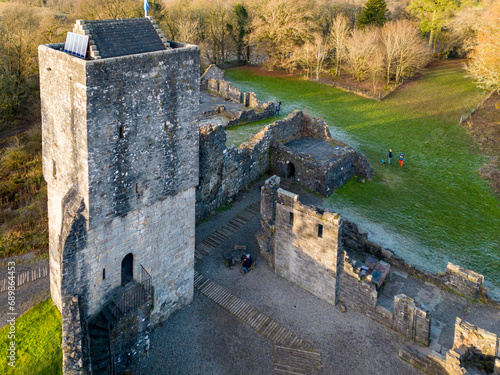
x=146, y=8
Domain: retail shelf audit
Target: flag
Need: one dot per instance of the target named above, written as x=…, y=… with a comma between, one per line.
x=146, y=5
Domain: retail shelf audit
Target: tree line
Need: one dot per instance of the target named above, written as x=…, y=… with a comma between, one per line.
x=318, y=37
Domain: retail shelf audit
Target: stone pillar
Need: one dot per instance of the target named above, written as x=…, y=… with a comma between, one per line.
x=265, y=236
x=411, y=319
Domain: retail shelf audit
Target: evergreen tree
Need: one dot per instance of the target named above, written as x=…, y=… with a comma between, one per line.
x=374, y=12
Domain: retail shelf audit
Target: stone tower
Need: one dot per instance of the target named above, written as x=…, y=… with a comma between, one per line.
x=120, y=157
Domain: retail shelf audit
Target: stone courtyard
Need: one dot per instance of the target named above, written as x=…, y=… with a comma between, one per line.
x=205, y=338
x=209, y=337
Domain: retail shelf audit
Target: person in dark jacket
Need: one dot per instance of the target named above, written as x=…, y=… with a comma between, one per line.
x=277, y=108
x=389, y=157
x=247, y=262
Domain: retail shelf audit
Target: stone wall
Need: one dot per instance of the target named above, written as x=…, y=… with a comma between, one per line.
x=464, y=281
x=429, y=362
x=224, y=171
x=460, y=280
x=246, y=116
x=120, y=143
x=72, y=337
x=306, y=248
x=411, y=319
x=355, y=292
x=265, y=237
x=131, y=337
x=212, y=72
x=472, y=346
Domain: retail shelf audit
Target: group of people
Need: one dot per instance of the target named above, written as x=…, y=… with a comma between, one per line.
x=401, y=157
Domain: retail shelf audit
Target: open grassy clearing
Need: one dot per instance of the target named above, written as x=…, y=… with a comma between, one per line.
x=38, y=342
x=436, y=208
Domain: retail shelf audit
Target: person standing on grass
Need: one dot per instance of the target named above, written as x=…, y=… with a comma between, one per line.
x=389, y=156
x=401, y=158
x=277, y=108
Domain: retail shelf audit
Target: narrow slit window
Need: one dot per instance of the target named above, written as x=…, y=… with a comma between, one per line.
x=291, y=218
x=54, y=169
x=104, y=273
x=122, y=132
x=320, y=230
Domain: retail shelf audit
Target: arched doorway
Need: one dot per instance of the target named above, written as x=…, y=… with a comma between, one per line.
x=290, y=170
x=127, y=269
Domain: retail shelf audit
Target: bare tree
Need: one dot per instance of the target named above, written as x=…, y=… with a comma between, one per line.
x=361, y=47
x=339, y=32
x=404, y=50
x=484, y=64
x=279, y=26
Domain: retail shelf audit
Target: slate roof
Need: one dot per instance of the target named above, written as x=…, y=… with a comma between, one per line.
x=124, y=37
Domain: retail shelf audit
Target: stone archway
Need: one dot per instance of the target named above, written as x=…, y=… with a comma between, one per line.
x=290, y=170
x=127, y=268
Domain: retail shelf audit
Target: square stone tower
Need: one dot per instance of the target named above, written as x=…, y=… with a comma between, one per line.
x=120, y=157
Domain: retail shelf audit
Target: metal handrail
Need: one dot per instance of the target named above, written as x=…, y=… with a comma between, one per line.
x=133, y=297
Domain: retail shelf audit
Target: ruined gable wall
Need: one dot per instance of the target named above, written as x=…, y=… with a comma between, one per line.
x=302, y=255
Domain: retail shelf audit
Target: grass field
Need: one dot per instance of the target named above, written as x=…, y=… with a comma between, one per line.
x=38, y=342
x=436, y=208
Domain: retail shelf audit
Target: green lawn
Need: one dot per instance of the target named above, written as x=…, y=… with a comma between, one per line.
x=38, y=342
x=436, y=208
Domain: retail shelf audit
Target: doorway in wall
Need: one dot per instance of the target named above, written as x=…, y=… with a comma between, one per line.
x=290, y=170
x=127, y=269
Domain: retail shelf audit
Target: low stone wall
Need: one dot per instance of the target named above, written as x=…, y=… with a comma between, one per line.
x=72, y=337
x=411, y=319
x=246, y=116
x=212, y=72
x=458, y=279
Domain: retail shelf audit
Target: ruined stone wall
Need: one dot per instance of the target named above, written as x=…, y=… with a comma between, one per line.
x=472, y=346
x=212, y=72
x=355, y=292
x=460, y=280
x=464, y=281
x=411, y=320
x=120, y=153
x=306, y=246
x=323, y=178
x=265, y=237
x=224, y=171
x=251, y=115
